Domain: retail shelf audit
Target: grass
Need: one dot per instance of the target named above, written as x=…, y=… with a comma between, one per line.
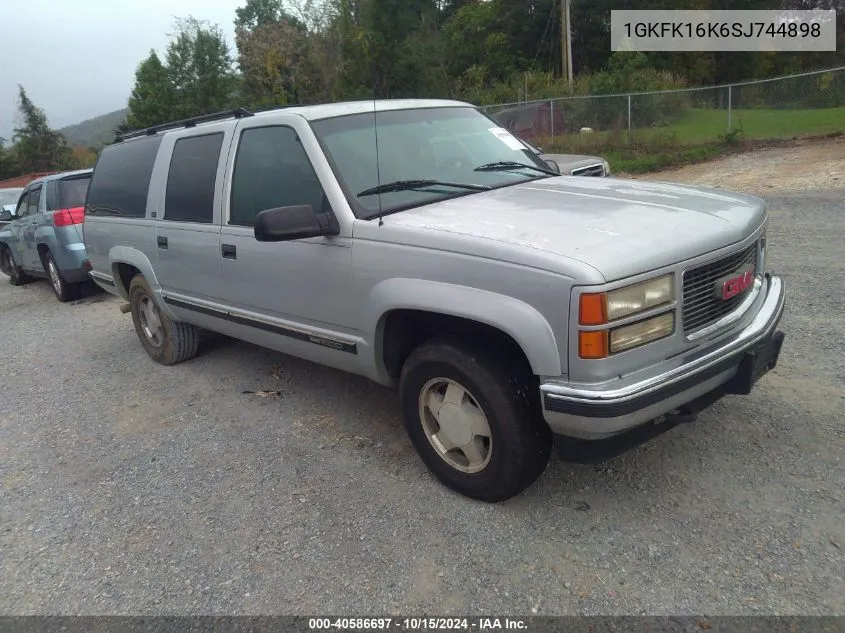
x=698, y=135
x=702, y=126
x=622, y=161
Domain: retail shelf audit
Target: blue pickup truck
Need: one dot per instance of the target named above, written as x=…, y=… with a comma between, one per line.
x=43, y=237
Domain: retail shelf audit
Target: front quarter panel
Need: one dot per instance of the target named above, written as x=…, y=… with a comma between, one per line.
x=514, y=317
x=9, y=237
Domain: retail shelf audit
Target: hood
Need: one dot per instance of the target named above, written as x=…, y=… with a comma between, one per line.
x=619, y=227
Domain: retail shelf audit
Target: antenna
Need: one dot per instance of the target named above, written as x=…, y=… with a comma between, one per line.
x=378, y=164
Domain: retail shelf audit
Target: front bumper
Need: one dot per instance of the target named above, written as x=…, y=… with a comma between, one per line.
x=600, y=411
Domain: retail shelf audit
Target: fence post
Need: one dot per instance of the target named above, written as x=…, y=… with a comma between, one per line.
x=551, y=118
x=629, y=114
x=729, y=109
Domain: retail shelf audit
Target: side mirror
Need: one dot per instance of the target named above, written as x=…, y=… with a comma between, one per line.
x=552, y=165
x=293, y=223
x=6, y=216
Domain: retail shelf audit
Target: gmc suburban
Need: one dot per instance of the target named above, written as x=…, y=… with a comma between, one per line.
x=420, y=244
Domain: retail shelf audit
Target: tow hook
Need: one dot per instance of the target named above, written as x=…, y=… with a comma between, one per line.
x=125, y=308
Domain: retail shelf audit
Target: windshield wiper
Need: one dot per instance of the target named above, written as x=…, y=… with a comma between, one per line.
x=506, y=165
x=408, y=185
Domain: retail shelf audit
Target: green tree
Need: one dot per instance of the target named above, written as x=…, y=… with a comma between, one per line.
x=7, y=166
x=477, y=46
x=275, y=55
x=37, y=147
x=276, y=66
x=260, y=12
x=195, y=78
x=389, y=48
x=199, y=66
x=152, y=97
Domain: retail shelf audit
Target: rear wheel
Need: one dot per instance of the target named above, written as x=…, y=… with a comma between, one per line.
x=7, y=264
x=64, y=291
x=471, y=417
x=167, y=341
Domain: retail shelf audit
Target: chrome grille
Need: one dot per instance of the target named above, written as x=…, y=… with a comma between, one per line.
x=701, y=307
x=590, y=170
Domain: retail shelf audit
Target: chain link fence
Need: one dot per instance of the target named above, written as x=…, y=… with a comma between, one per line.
x=806, y=104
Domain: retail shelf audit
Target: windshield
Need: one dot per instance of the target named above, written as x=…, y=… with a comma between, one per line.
x=9, y=196
x=439, y=144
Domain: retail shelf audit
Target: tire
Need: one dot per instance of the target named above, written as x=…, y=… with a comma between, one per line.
x=519, y=444
x=17, y=277
x=167, y=341
x=63, y=290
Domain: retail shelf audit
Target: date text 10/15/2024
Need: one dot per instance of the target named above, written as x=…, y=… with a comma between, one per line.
x=416, y=624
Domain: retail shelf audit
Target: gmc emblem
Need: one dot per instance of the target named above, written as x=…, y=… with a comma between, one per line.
x=728, y=287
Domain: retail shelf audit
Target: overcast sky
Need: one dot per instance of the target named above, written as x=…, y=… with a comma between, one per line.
x=77, y=58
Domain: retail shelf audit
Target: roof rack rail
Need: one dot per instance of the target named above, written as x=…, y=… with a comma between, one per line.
x=267, y=108
x=237, y=113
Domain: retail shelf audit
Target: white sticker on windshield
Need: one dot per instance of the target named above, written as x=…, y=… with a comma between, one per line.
x=506, y=137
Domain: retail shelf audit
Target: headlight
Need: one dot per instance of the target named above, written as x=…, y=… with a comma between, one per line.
x=642, y=296
x=637, y=334
x=604, y=308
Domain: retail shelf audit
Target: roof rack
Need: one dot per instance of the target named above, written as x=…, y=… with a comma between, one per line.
x=237, y=113
x=267, y=108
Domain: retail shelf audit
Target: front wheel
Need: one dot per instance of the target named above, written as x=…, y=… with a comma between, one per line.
x=469, y=414
x=167, y=341
x=7, y=264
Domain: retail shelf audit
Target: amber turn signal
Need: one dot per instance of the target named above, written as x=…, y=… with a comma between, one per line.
x=592, y=344
x=592, y=309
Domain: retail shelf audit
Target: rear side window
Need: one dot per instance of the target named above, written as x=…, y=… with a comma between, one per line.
x=69, y=193
x=190, y=181
x=122, y=177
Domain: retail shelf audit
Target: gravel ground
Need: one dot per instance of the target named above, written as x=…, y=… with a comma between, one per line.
x=776, y=169
x=127, y=487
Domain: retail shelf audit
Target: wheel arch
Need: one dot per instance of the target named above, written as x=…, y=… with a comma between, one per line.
x=126, y=262
x=456, y=308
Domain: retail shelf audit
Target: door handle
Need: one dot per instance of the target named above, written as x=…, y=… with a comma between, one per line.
x=161, y=241
x=229, y=251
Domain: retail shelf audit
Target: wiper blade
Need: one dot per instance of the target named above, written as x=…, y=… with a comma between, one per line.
x=506, y=165
x=408, y=185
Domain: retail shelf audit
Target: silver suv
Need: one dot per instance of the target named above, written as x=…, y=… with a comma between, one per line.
x=420, y=244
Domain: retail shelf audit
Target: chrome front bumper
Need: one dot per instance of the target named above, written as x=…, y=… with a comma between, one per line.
x=601, y=411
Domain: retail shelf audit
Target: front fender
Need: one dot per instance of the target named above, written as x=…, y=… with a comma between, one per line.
x=516, y=318
x=7, y=238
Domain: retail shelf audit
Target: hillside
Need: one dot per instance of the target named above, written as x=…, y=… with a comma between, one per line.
x=95, y=132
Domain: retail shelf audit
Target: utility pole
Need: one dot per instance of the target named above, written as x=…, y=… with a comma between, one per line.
x=565, y=42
